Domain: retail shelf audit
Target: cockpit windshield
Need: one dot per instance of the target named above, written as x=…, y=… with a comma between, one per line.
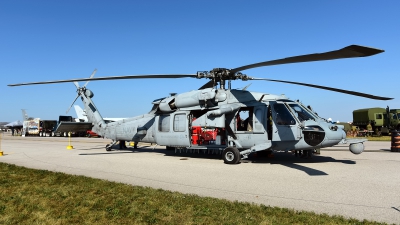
x=301, y=113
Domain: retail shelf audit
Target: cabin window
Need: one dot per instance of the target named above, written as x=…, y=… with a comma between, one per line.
x=245, y=119
x=378, y=116
x=283, y=116
x=163, y=123
x=180, y=123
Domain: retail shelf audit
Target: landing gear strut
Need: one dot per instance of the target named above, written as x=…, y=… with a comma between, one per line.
x=109, y=146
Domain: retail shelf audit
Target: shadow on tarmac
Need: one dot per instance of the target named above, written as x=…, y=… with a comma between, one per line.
x=396, y=209
x=289, y=160
x=281, y=158
x=116, y=150
x=88, y=149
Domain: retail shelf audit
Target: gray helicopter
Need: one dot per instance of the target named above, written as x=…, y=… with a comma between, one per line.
x=233, y=122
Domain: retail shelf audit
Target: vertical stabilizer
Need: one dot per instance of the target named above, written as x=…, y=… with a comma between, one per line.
x=24, y=115
x=80, y=113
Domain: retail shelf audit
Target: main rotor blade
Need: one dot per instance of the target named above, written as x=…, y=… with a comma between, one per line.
x=111, y=78
x=347, y=52
x=329, y=88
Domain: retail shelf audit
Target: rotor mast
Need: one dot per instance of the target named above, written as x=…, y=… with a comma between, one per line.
x=221, y=75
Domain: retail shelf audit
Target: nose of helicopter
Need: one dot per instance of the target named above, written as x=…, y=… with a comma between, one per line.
x=333, y=135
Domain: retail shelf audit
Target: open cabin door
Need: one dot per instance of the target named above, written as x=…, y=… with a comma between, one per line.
x=260, y=119
x=172, y=129
x=251, y=126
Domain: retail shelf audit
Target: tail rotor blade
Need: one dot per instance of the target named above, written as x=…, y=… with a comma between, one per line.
x=91, y=76
x=72, y=103
x=76, y=84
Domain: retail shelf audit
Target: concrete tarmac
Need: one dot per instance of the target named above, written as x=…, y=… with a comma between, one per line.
x=336, y=182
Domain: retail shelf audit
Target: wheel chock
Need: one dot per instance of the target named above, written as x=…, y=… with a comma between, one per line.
x=69, y=147
x=1, y=153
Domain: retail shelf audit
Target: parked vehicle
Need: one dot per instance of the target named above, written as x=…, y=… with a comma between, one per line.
x=378, y=120
x=92, y=134
x=38, y=127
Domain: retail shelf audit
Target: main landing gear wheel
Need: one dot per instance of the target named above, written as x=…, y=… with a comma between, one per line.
x=108, y=147
x=231, y=155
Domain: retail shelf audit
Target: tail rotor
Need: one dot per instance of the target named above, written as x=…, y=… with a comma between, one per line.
x=81, y=90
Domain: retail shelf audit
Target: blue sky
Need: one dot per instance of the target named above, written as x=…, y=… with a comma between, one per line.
x=56, y=40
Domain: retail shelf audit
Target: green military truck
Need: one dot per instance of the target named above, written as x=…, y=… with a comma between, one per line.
x=394, y=119
x=382, y=120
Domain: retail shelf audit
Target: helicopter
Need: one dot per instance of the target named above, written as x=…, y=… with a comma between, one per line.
x=232, y=122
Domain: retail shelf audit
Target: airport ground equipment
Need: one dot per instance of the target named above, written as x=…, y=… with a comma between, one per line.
x=38, y=127
x=68, y=127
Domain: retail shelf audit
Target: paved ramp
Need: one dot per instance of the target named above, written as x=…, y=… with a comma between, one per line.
x=365, y=186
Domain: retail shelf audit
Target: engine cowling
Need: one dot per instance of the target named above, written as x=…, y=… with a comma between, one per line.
x=207, y=96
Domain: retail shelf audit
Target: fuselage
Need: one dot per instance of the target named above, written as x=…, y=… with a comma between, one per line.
x=215, y=118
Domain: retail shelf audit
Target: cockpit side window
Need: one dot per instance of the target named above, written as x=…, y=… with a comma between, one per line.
x=283, y=116
x=302, y=114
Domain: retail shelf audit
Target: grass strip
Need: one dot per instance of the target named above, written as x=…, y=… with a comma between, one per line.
x=29, y=196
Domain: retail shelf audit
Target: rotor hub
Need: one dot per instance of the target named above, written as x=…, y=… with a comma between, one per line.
x=80, y=90
x=222, y=74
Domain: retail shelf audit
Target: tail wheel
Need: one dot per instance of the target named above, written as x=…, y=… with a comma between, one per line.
x=108, y=147
x=231, y=155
